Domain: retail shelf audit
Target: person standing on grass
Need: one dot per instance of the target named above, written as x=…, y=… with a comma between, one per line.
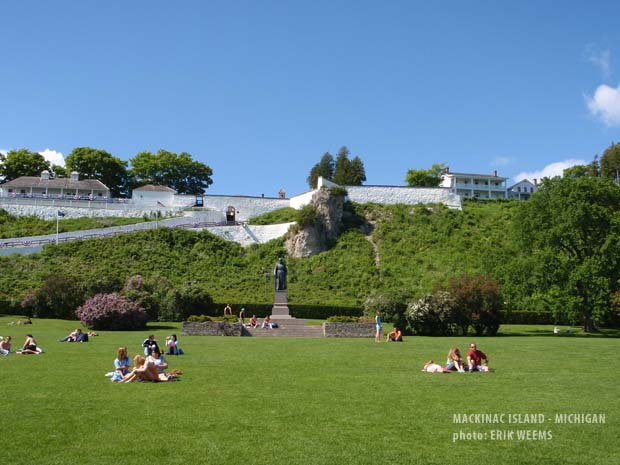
x=475, y=358
x=378, y=326
x=242, y=316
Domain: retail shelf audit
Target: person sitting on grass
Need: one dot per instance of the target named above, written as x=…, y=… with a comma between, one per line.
x=475, y=358
x=72, y=336
x=455, y=361
x=394, y=336
x=267, y=322
x=172, y=343
x=5, y=346
x=432, y=367
x=253, y=322
x=30, y=346
x=149, y=344
x=121, y=365
x=142, y=371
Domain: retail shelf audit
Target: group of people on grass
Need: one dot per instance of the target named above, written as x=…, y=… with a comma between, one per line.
x=30, y=346
x=151, y=366
x=476, y=361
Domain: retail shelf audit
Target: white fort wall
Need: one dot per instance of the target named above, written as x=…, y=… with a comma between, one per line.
x=245, y=207
x=390, y=195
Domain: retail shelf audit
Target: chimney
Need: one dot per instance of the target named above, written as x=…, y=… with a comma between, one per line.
x=495, y=173
x=75, y=176
x=446, y=170
x=45, y=175
x=535, y=182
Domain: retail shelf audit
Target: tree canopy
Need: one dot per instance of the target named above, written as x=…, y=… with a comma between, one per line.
x=425, y=178
x=98, y=164
x=571, y=230
x=324, y=168
x=610, y=162
x=178, y=171
x=22, y=162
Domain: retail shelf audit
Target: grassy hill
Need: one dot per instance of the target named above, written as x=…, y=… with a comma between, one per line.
x=410, y=248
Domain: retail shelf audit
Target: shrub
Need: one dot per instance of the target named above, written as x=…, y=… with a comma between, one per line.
x=112, y=312
x=58, y=297
x=343, y=319
x=430, y=316
x=199, y=318
x=306, y=216
x=478, y=303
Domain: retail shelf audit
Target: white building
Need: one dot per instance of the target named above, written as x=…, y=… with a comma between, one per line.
x=522, y=190
x=46, y=187
x=475, y=186
x=153, y=196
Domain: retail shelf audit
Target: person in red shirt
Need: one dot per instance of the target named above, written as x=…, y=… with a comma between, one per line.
x=475, y=358
x=394, y=336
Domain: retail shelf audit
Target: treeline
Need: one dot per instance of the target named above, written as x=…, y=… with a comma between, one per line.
x=177, y=171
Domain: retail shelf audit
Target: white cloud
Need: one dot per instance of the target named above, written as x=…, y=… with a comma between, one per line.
x=549, y=171
x=54, y=157
x=502, y=161
x=600, y=58
x=606, y=104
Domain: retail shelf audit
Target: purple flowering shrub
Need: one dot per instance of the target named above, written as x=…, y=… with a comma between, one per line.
x=113, y=312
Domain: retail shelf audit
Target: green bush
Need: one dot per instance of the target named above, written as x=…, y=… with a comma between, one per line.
x=306, y=216
x=343, y=319
x=430, y=315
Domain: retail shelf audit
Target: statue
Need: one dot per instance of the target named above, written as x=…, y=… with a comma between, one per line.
x=279, y=273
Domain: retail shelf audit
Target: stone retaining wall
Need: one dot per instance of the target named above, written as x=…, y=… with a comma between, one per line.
x=348, y=329
x=211, y=328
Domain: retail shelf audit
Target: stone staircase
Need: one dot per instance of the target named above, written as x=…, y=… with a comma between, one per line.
x=287, y=327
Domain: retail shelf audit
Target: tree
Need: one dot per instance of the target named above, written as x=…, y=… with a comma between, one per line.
x=610, y=162
x=348, y=172
x=425, y=178
x=324, y=168
x=98, y=164
x=179, y=172
x=22, y=162
x=571, y=230
x=358, y=173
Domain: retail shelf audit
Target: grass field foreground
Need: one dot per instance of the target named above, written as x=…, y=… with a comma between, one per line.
x=308, y=401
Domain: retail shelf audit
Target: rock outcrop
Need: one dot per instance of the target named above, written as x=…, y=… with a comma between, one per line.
x=318, y=235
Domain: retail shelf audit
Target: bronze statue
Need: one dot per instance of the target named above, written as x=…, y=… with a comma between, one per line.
x=279, y=273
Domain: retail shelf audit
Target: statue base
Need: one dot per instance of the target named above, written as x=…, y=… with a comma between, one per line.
x=280, y=306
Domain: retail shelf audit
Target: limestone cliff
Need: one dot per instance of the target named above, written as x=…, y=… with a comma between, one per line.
x=319, y=234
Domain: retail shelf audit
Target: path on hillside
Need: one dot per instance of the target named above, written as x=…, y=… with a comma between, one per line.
x=240, y=233
x=368, y=230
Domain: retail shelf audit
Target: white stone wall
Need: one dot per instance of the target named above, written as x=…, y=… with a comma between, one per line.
x=150, y=198
x=390, y=195
x=49, y=213
x=300, y=200
x=247, y=207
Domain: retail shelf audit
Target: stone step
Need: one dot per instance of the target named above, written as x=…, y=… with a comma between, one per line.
x=300, y=331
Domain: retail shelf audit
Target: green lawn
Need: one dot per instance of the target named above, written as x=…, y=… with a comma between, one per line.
x=306, y=401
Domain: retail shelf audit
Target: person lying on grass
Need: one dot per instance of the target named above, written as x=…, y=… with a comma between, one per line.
x=432, y=367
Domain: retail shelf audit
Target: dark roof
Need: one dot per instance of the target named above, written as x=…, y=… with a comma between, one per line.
x=476, y=175
x=57, y=183
x=154, y=188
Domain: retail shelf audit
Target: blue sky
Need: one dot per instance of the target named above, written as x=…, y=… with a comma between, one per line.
x=259, y=90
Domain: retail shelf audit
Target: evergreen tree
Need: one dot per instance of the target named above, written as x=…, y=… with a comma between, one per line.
x=324, y=168
x=610, y=162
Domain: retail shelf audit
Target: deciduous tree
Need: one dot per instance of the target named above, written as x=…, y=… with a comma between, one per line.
x=22, y=162
x=425, y=178
x=98, y=164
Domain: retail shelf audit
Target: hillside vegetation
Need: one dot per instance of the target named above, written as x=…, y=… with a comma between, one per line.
x=409, y=248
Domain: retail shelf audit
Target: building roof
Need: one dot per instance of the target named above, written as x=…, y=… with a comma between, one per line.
x=523, y=181
x=471, y=175
x=57, y=183
x=154, y=188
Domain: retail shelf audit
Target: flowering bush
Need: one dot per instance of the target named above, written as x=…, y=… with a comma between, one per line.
x=431, y=315
x=111, y=311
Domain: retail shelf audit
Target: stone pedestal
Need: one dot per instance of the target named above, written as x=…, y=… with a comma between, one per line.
x=280, y=310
